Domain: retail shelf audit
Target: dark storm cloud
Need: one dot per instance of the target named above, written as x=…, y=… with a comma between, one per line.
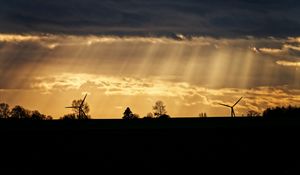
x=157, y=17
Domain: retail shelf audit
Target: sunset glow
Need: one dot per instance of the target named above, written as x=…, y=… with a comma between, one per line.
x=191, y=55
x=189, y=75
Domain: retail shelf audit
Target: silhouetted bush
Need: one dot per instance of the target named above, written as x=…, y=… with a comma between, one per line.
x=280, y=112
x=164, y=116
x=149, y=116
x=68, y=117
x=253, y=113
x=135, y=116
x=49, y=117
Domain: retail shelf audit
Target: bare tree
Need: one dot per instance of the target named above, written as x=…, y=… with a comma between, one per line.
x=159, y=109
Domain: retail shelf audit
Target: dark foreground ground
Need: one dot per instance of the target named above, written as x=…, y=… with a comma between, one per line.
x=184, y=146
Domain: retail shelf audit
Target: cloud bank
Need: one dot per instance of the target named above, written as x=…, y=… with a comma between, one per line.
x=218, y=18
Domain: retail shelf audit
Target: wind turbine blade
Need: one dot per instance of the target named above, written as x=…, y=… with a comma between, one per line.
x=84, y=113
x=224, y=105
x=83, y=100
x=237, y=102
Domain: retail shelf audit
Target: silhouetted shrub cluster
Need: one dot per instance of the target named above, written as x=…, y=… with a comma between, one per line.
x=74, y=116
x=279, y=112
x=253, y=113
x=68, y=117
x=19, y=112
x=159, y=112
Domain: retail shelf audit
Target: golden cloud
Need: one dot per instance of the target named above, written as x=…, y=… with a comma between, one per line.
x=288, y=63
x=190, y=95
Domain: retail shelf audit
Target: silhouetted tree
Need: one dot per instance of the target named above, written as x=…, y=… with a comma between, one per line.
x=253, y=113
x=68, y=117
x=129, y=115
x=18, y=112
x=279, y=112
x=159, y=108
x=4, y=110
x=36, y=115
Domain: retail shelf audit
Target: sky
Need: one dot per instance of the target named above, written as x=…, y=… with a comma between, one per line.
x=189, y=54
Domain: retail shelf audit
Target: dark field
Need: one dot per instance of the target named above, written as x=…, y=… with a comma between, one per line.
x=185, y=146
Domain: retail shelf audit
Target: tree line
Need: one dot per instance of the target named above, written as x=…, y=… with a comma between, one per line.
x=19, y=112
x=159, y=111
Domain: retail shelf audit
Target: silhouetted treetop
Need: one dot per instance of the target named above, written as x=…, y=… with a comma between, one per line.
x=36, y=115
x=159, y=109
x=4, y=110
x=129, y=115
x=279, y=112
x=18, y=112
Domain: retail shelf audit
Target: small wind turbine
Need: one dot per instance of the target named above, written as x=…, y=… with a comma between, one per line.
x=80, y=110
x=231, y=107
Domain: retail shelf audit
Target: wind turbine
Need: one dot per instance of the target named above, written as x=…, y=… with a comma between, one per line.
x=80, y=110
x=231, y=107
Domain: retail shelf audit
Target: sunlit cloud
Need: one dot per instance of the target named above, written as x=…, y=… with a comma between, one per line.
x=284, y=49
x=288, y=63
x=18, y=38
x=292, y=47
x=189, y=95
x=271, y=50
